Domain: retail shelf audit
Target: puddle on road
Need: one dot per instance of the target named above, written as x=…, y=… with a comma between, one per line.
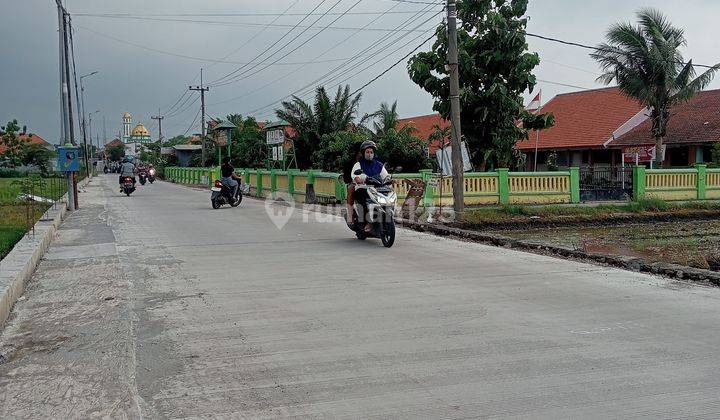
x=690, y=243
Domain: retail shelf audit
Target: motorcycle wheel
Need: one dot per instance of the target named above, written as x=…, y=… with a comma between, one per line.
x=387, y=235
x=127, y=192
x=151, y=181
x=215, y=204
x=238, y=201
x=142, y=182
x=361, y=235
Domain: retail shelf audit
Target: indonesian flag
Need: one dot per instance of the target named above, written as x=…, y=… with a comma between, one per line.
x=534, y=105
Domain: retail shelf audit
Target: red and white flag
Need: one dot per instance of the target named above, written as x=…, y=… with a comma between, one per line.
x=534, y=105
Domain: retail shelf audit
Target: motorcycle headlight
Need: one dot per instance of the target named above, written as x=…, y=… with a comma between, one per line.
x=381, y=199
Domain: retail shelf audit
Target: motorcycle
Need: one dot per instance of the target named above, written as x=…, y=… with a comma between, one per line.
x=151, y=175
x=222, y=194
x=143, y=177
x=381, y=202
x=128, y=185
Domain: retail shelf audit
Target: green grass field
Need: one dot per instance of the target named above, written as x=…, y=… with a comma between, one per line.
x=17, y=217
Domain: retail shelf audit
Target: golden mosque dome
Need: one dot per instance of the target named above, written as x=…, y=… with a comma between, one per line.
x=140, y=131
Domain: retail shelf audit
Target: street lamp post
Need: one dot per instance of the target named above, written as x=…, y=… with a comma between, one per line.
x=87, y=160
x=82, y=110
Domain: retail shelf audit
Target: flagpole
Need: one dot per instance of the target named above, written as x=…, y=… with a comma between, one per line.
x=537, y=132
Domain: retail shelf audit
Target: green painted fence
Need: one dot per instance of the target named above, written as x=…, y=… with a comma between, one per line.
x=480, y=188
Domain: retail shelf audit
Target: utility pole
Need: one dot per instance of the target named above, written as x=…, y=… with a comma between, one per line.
x=65, y=97
x=202, y=91
x=159, y=119
x=456, y=145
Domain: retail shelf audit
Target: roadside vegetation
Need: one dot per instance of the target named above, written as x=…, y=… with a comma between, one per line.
x=586, y=213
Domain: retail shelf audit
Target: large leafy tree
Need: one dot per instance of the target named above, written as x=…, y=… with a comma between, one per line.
x=248, y=142
x=311, y=121
x=398, y=149
x=495, y=69
x=646, y=63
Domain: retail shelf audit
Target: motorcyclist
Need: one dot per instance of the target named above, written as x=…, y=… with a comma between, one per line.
x=127, y=169
x=367, y=166
x=228, y=176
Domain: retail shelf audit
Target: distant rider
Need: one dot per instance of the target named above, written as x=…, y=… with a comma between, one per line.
x=229, y=178
x=127, y=169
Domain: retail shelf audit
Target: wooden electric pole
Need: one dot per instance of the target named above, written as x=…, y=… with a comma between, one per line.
x=456, y=145
x=202, y=91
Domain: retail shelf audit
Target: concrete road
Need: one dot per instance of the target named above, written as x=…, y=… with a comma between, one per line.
x=158, y=306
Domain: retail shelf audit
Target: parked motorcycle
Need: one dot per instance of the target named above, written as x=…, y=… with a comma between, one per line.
x=151, y=175
x=381, y=203
x=142, y=175
x=128, y=185
x=222, y=194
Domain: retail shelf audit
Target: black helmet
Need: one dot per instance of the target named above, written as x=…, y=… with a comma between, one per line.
x=368, y=144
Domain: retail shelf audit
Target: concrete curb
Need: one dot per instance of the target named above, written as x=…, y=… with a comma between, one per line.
x=20, y=264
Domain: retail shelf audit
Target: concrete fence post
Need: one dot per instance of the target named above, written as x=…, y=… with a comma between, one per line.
x=291, y=182
x=701, y=181
x=428, y=196
x=575, y=185
x=638, y=182
x=258, y=182
x=273, y=183
x=504, y=185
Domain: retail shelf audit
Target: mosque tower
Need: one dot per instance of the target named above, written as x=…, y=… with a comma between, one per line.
x=127, y=123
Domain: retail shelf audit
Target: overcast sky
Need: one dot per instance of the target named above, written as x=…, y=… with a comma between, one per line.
x=148, y=57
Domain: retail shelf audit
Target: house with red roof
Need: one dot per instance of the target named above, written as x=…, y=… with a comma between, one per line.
x=693, y=129
x=584, y=122
x=424, y=126
x=28, y=139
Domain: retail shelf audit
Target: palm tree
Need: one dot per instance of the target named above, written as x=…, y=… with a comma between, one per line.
x=645, y=62
x=324, y=116
x=384, y=119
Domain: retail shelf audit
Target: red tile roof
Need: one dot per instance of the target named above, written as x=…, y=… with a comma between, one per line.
x=585, y=119
x=695, y=121
x=34, y=139
x=114, y=143
x=424, y=127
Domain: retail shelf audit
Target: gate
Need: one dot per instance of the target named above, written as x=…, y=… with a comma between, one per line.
x=605, y=184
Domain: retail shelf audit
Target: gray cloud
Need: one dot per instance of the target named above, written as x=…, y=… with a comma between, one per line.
x=139, y=81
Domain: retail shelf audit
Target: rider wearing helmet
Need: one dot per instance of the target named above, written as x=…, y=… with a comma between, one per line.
x=367, y=166
x=127, y=169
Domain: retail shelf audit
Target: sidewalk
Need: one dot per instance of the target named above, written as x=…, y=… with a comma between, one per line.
x=67, y=342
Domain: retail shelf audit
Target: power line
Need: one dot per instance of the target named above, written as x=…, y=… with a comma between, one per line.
x=268, y=48
x=192, y=124
x=590, y=47
x=241, y=77
x=314, y=60
x=258, y=33
x=380, y=43
x=563, y=84
x=396, y=63
x=298, y=46
x=251, y=24
x=403, y=12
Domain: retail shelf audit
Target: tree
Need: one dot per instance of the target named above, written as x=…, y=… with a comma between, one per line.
x=14, y=145
x=115, y=153
x=495, y=69
x=248, y=147
x=647, y=65
x=397, y=149
x=337, y=151
x=37, y=155
x=324, y=116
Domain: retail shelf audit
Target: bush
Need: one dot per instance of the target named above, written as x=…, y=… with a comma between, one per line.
x=9, y=173
x=649, y=205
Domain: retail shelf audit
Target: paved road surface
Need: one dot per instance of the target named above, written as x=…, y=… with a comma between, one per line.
x=157, y=306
